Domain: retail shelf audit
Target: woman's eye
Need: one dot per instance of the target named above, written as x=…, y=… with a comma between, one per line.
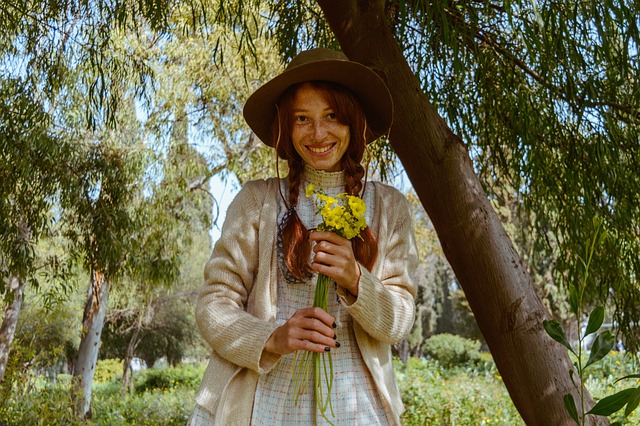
x=300, y=118
x=332, y=115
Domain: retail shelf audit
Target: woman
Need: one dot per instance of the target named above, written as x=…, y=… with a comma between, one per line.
x=255, y=307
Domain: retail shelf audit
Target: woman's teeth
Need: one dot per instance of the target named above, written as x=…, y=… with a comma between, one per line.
x=320, y=150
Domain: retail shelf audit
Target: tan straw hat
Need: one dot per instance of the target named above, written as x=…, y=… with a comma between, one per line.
x=326, y=65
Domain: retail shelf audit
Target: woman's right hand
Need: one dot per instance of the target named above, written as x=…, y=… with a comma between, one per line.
x=309, y=329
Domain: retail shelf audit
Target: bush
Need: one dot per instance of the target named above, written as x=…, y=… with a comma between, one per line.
x=435, y=395
x=108, y=370
x=167, y=407
x=168, y=378
x=450, y=350
x=46, y=404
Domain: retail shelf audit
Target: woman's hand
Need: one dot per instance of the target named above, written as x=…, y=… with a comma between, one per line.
x=334, y=257
x=309, y=329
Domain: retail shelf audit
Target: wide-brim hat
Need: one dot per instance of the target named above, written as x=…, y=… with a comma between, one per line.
x=326, y=65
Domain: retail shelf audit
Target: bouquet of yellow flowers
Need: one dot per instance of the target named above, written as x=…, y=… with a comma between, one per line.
x=343, y=215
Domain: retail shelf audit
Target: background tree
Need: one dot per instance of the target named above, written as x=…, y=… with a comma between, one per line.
x=25, y=195
x=43, y=49
x=203, y=79
x=80, y=60
x=153, y=306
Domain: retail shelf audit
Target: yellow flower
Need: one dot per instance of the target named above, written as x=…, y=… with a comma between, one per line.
x=326, y=200
x=358, y=207
x=311, y=188
x=342, y=214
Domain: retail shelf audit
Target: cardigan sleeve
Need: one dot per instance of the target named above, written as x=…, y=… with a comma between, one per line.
x=221, y=315
x=385, y=306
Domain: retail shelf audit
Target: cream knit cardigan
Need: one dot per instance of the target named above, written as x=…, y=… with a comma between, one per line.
x=237, y=305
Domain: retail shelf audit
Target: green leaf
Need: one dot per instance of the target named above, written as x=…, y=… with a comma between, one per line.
x=595, y=321
x=555, y=331
x=633, y=402
x=630, y=376
x=610, y=404
x=601, y=347
x=573, y=299
x=570, y=405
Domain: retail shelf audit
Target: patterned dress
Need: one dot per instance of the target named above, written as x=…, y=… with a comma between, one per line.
x=355, y=398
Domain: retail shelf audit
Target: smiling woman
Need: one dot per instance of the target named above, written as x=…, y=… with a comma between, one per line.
x=256, y=308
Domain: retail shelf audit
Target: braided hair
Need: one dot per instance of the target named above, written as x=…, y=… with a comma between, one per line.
x=297, y=247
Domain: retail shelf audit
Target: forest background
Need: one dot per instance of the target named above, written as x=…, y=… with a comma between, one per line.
x=116, y=116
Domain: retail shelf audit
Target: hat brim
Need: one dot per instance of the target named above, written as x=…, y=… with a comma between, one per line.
x=373, y=94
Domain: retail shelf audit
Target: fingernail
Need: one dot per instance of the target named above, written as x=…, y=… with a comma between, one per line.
x=327, y=349
x=337, y=344
x=335, y=336
x=334, y=325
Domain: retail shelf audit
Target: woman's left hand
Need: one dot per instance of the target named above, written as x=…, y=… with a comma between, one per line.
x=334, y=257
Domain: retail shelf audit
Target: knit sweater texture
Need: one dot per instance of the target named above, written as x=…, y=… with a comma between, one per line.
x=237, y=305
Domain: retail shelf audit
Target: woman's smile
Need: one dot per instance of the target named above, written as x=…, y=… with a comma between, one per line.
x=320, y=150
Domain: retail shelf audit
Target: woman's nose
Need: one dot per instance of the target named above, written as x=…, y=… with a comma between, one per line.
x=319, y=129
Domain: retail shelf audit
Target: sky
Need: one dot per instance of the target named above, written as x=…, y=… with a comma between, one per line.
x=224, y=192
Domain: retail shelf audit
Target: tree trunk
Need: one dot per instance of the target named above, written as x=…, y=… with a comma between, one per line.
x=10, y=322
x=127, y=371
x=92, y=323
x=535, y=369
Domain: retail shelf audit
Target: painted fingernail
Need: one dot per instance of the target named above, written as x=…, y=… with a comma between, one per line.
x=334, y=325
x=327, y=349
x=335, y=336
x=337, y=344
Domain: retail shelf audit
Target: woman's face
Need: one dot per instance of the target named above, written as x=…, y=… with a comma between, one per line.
x=318, y=136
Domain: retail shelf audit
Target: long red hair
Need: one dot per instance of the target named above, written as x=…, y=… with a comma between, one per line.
x=297, y=247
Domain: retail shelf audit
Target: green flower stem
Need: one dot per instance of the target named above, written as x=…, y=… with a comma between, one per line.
x=321, y=364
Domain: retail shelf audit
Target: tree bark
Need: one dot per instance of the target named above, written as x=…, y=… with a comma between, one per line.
x=10, y=322
x=92, y=322
x=535, y=369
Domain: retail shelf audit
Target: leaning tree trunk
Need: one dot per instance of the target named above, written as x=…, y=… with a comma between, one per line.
x=10, y=322
x=92, y=323
x=534, y=368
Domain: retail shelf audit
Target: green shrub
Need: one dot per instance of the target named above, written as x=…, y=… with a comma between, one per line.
x=167, y=378
x=108, y=370
x=47, y=404
x=450, y=350
x=167, y=407
x=435, y=395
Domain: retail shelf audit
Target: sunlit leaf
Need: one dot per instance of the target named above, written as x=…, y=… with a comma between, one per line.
x=610, y=404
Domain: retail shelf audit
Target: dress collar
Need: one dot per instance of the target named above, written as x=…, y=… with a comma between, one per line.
x=325, y=180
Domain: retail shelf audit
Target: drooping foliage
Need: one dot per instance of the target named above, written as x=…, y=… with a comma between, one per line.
x=547, y=99
x=546, y=95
